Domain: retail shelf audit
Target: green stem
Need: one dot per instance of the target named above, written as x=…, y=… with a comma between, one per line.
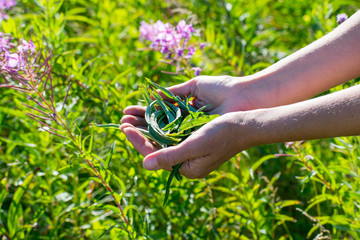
x=322, y=179
x=70, y=133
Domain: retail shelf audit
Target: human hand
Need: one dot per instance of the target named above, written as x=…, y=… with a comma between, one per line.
x=219, y=93
x=201, y=153
x=223, y=94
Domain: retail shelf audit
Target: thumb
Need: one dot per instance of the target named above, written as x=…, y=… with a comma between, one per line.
x=168, y=157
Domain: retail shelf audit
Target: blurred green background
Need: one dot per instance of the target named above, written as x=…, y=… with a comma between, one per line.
x=47, y=193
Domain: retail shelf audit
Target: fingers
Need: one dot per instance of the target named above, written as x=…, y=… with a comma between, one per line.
x=134, y=120
x=138, y=111
x=139, y=141
x=135, y=115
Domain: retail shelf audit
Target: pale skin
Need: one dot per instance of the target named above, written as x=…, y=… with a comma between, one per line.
x=267, y=107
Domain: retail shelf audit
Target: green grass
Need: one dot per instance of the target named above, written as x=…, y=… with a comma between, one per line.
x=48, y=192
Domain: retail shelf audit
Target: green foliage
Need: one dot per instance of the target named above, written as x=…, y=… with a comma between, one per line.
x=49, y=191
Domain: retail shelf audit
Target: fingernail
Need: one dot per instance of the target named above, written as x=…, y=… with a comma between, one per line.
x=151, y=164
x=124, y=126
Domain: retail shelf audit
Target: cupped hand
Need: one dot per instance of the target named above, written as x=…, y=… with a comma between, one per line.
x=221, y=94
x=211, y=145
x=201, y=153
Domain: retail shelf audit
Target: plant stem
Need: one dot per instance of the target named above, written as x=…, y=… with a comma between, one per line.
x=70, y=133
x=107, y=186
x=309, y=168
x=322, y=179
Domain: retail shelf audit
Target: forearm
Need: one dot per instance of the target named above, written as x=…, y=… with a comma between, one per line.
x=336, y=114
x=327, y=62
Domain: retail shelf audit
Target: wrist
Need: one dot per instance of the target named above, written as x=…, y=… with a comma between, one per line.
x=243, y=128
x=256, y=127
x=259, y=90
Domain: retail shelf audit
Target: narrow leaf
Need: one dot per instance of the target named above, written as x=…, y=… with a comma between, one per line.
x=109, y=157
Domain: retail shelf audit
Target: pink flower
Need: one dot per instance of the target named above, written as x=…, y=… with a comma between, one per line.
x=191, y=51
x=185, y=30
x=165, y=37
x=197, y=71
x=147, y=31
x=289, y=144
x=9, y=4
x=202, y=45
x=172, y=42
x=179, y=52
x=3, y=15
x=4, y=43
x=164, y=50
x=15, y=58
x=25, y=46
x=342, y=17
x=5, y=5
x=13, y=61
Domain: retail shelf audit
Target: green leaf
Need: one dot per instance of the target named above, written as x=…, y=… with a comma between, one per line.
x=175, y=124
x=283, y=217
x=133, y=207
x=321, y=198
x=15, y=210
x=144, y=91
x=111, y=208
x=120, y=183
x=170, y=116
x=174, y=173
x=166, y=92
x=3, y=194
x=257, y=164
x=91, y=141
x=109, y=125
x=107, y=231
x=109, y=157
x=148, y=135
x=190, y=122
x=287, y=203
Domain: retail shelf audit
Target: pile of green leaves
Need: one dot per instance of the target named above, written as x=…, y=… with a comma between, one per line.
x=170, y=121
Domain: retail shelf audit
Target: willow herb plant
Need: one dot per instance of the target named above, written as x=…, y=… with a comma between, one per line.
x=174, y=44
x=26, y=70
